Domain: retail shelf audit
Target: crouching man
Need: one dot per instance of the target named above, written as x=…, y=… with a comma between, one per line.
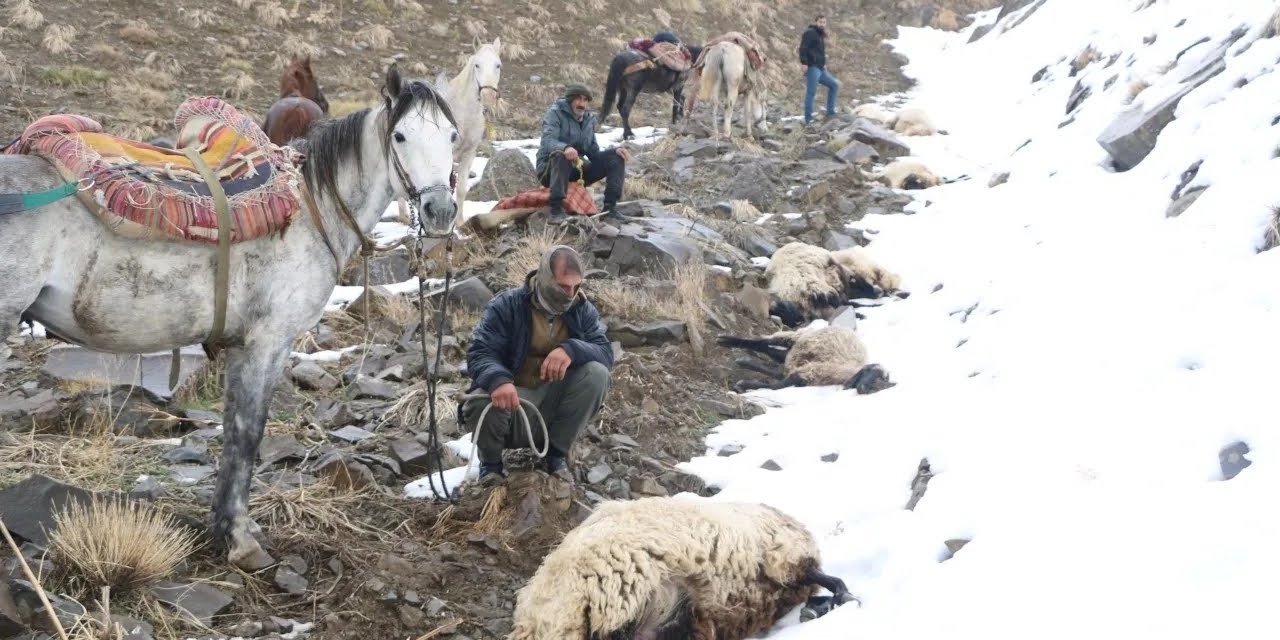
x=543, y=342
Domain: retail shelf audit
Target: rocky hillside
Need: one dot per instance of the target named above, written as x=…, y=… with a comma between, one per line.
x=129, y=64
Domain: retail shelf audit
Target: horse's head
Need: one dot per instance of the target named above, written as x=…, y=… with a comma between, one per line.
x=419, y=140
x=298, y=79
x=487, y=67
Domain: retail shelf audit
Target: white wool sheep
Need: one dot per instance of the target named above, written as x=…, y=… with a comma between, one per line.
x=820, y=356
x=873, y=112
x=804, y=279
x=905, y=173
x=913, y=121
x=672, y=568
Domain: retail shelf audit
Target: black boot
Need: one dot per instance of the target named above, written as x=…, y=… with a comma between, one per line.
x=556, y=215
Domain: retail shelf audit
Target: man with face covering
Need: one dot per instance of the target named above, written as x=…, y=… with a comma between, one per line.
x=543, y=342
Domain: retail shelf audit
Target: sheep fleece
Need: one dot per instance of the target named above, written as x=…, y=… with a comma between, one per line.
x=738, y=563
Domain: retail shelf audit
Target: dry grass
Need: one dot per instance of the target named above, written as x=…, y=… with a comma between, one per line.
x=1271, y=238
x=139, y=96
x=140, y=33
x=243, y=4
x=339, y=108
x=322, y=15
x=103, y=53
x=317, y=516
x=638, y=303
x=94, y=459
x=439, y=29
x=578, y=71
x=617, y=43
x=526, y=256
x=271, y=14
x=411, y=408
x=662, y=16
x=197, y=18
x=516, y=51
x=377, y=7
x=7, y=69
x=687, y=6
x=378, y=36
x=295, y=47
x=118, y=544
x=23, y=14
x=645, y=188
x=1273, y=25
x=238, y=84
x=58, y=38
x=538, y=11
x=474, y=27
x=408, y=5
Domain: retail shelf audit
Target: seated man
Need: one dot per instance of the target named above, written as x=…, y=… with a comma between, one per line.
x=569, y=136
x=543, y=342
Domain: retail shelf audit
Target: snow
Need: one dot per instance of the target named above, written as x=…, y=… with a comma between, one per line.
x=1085, y=360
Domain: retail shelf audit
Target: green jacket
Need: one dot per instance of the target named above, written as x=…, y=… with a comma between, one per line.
x=561, y=128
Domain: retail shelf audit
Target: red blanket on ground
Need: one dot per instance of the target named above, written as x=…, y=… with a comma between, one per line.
x=577, y=200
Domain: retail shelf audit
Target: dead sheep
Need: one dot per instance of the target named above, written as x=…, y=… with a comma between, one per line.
x=904, y=173
x=805, y=281
x=672, y=567
x=913, y=121
x=874, y=112
x=810, y=357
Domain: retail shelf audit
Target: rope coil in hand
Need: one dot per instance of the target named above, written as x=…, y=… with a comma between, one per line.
x=524, y=417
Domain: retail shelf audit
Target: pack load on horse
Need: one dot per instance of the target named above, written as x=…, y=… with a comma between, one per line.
x=66, y=265
x=658, y=65
x=728, y=69
x=301, y=103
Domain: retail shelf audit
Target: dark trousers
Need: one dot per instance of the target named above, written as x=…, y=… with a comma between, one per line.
x=566, y=405
x=606, y=164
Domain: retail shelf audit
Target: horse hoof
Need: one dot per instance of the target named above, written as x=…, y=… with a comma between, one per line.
x=844, y=598
x=246, y=549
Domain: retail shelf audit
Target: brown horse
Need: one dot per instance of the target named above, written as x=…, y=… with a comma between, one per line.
x=301, y=103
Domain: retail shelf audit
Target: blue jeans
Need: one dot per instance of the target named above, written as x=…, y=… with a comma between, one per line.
x=812, y=77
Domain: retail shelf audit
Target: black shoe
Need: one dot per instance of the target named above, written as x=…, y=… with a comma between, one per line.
x=611, y=215
x=491, y=469
x=556, y=216
x=557, y=466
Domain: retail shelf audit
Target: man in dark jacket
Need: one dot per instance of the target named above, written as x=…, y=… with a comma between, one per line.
x=813, y=55
x=569, y=151
x=543, y=342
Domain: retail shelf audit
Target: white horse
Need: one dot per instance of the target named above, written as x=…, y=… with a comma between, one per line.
x=473, y=89
x=62, y=267
x=727, y=76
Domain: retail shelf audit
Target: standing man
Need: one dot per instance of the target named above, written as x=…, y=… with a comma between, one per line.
x=813, y=55
x=543, y=342
x=569, y=136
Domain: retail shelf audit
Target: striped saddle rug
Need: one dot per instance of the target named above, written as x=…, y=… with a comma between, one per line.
x=673, y=56
x=148, y=192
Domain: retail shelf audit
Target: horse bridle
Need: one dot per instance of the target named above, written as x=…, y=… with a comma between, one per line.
x=413, y=195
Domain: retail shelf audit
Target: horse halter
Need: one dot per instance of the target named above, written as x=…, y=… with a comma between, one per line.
x=414, y=194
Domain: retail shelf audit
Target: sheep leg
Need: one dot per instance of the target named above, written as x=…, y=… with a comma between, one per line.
x=751, y=364
x=761, y=345
x=792, y=380
x=839, y=591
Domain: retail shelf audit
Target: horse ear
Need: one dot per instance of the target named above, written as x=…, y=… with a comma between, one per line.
x=497, y=43
x=391, y=88
x=442, y=84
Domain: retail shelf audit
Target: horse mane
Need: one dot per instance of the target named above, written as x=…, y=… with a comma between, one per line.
x=330, y=142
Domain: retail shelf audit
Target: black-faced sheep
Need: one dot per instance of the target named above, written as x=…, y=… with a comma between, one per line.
x=909, y=174
x=668, y=568
x=805, y=281
x=829, y=355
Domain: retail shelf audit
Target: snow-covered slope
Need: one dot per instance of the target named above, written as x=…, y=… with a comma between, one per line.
x=1071, y=361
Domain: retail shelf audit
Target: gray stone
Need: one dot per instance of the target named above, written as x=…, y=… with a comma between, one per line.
x=1133, y=134
x=599, y=473
x=830, y=457
x=650, y=334
x=199, y=418
x=414, y=459
x=1184, y=202
x=646, y=486
x=980, y=31
x=289, y=581
x=730, y=450
x=919, y=484
x=623, y=440
x=192, y=450
x=848, y=317
x=884, y=141
x=652, y=253
x=384, y=269
x=17, y=407
x=274, y=449
x=1232, y=461
x=366, y=387
x=10, y=619
x=28, y=507
x=198, y=600
x=857, y=152
x=701, y=148
x=147, y=488
x=770, y=465
x=191, y=474
x=435, y=606
x=133, y=628
x=343, y=472
x=150, y=371
x=755, y=184
x=308, y=374
x=471, y=293
x=352, y=434
x=507, y=173
x=954, y=546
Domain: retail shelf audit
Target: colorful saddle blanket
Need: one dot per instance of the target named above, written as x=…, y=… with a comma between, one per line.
x=148, y=192
x=673, y=56
x=577, y=200
x=755, y=55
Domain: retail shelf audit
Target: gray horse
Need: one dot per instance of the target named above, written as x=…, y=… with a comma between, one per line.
x=61, y=267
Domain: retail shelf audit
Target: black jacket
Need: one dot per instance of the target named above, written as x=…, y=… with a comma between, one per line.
x=500, y=341
x=813, y=47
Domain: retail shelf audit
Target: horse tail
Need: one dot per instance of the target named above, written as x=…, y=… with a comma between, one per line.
x=612, y=83
x=712, y=75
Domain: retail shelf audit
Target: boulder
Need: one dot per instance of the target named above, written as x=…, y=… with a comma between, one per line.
x=28, y=507
x=197, y=600
x=1134, y=132
x=384, y=269
x=644, y=253
x=858, y=152
x=507, y=173
x=150, y=371
x=472, y=294
x=884, y=141
x=308, y=374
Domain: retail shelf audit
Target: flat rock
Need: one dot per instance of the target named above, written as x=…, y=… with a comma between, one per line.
x=388, y=268
x=858, y=152
x=1184, y=202
x=646, y=486
x=704, y=148
x=16, y=406
x=599, y=473
x=885, y=142
x=28, y=507
x=309, y=375
x=344, y=472
x=472, y=294
x=289, y=581
x=198, y=600
x=648, y=334
x=1232, y=461
x=414, y=459
x=352, y=434
x=275, y=449
x=649, y=253
x=10, y=619
x=366, y=387
x=150, y=371
x=187, y=474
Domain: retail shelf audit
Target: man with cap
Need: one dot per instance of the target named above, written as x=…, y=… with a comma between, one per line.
x=569, y=136
x=543, y=342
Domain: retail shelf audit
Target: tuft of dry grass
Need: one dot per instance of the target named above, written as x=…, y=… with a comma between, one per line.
x=617, y=43
x=8, y=69
x=662, y=16
x=23, y=14
x=339, y=108
x=105, y=53
x=321, y=15
x=539, y=11
x=645, y=188
x=639, y=303
x=243, y=4
x=474, y=27
x=408, y=5
x=1273, y=25
x=687, y=6
x=411, y=408
x=117, y=544
x=378, y=36
x=516, y=51
x=271, y=14
x=517, y=263
x=316, y=516
x=58, y=38
x=197, y=18
x=75, y=76
x=578, y=71
x=377, y=7
x=439, y=29
x=139, y=96
x=295, y=47
x=140, y=33
x=238, y=84
x=1271, y=238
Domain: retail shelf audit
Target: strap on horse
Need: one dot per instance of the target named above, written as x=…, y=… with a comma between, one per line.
x=17, y=202
x=223, y=270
